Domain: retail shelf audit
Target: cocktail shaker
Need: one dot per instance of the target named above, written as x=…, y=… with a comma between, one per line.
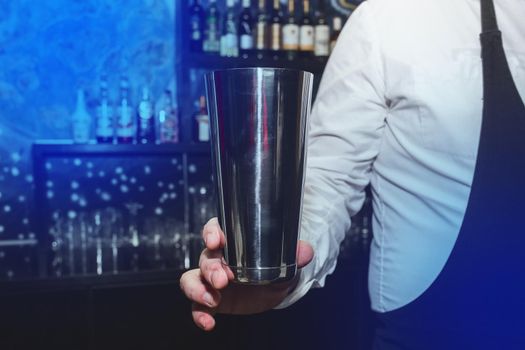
x=258, y=119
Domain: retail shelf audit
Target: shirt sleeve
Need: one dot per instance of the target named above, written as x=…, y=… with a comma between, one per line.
x=346, y=127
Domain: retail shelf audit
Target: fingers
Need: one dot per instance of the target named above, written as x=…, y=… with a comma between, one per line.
x=194, y=287
x=213, y=269
x=305, y=254
x=213, y=235
x=204, y=298
x=203, y=316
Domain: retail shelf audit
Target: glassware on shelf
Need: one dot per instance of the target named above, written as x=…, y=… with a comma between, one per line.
x=133, y=234
x=117, y=237
x=108, y=241
x=153, y=232
x=193, y=246
x=174, y=245
x=84, y=231
x=203, y=205
x=70, y=229
x=57, y=244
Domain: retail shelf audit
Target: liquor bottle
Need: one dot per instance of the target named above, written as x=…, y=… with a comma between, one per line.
x=145, y=119
x=125, y=123
x=229, y=38
x=81, y=120
x=336, y=29
x=275, y=37
x=196, y=26
x=321, y=33
x=167, y=120
x=291, y=32
x=212, y=35
x=246, y=30
x=261, y=30
x=306, y=31
x=202, y=122
x=105, y=127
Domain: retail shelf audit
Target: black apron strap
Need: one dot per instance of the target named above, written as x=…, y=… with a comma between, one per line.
x=488, y=17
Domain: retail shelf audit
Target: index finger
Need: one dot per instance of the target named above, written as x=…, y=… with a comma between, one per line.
x=213, y=236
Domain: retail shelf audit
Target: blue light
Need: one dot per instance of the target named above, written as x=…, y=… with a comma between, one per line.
x=49, y=50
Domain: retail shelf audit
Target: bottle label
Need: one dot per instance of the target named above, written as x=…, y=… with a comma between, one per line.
x=145, y=110
x=104, y=120
x=246, y=42
x=231, y=41
x=204, y=128
x=261, y=36
x=125, y=127
x=322, y=40
x=306, y=38
x=291, y=37
x=276, y=37
x=229, y=46
x=169, y=128
x=223, y=45
x=81, y=130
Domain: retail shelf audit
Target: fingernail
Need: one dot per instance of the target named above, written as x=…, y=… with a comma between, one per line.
x=211, y=278
x=212, y=238
x=202, y=322
x=208, y=299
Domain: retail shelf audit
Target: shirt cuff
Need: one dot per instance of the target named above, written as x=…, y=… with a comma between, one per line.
x=303, y=286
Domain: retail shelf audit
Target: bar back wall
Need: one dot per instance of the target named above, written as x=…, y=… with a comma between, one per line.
x=51, y=48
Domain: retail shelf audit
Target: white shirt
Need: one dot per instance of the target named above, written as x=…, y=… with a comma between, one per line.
x=400, y=106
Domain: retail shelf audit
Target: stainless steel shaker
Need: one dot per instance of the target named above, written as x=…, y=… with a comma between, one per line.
x=258, y=134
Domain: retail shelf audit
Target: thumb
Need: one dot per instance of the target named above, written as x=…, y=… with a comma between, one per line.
x=305, y=254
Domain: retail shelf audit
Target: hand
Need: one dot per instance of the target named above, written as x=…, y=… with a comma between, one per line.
x=210, y=289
